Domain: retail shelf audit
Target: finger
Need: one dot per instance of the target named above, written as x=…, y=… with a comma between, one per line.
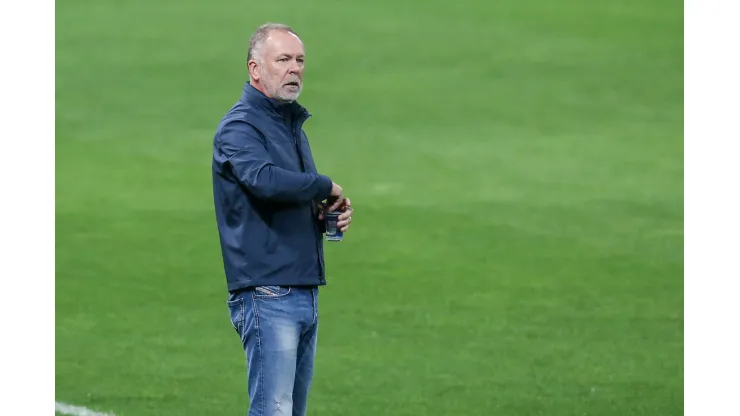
x=345, y=228
x=345, y=215
x=347, y=203
x=335, y=205
x=342, y=223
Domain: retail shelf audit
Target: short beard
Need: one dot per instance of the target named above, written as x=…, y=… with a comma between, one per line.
x=278, y=94
x=286, y=97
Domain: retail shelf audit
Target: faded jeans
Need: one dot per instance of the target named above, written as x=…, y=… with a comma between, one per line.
x=278, y=327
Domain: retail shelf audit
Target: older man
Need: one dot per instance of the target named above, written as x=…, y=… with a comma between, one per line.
x=269, y=203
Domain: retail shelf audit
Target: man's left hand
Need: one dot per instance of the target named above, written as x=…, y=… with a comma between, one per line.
x=345, y=218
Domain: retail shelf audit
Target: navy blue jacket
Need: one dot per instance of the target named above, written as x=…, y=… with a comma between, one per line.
x=265, y=189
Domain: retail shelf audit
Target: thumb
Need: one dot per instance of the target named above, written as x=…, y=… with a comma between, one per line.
x=335, y=205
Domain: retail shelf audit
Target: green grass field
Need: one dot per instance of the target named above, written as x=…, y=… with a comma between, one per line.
x=517, y=173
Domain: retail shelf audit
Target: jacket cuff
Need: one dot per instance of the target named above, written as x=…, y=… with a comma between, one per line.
x=325, y=185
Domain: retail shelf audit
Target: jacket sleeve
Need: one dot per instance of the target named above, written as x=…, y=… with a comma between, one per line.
x=244, y=152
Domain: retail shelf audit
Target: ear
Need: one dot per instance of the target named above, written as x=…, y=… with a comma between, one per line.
x=253, y=67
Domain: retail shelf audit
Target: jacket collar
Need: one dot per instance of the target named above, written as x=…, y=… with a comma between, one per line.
x=257, y=99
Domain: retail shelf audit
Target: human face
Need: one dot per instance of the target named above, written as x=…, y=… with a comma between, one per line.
x=279, y=67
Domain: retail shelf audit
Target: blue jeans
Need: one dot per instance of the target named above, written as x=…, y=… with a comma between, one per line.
x=278, y=326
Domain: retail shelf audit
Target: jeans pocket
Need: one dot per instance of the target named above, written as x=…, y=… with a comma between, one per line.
x=264, y=292
x=236, y=312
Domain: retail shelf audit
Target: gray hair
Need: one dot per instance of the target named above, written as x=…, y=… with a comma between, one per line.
x=260, y=36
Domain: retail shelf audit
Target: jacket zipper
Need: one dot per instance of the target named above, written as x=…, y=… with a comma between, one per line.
x=313, y=211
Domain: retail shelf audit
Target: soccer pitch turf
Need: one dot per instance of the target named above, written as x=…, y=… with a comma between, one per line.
x=517, y=174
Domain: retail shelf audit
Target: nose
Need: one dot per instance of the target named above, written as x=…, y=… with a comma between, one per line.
x=294, y=67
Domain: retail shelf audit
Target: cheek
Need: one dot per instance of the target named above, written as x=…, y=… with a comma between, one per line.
x=277, y=76
x=268, y=74
x=269, y=78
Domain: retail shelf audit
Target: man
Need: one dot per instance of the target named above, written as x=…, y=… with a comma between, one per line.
x=268, y=200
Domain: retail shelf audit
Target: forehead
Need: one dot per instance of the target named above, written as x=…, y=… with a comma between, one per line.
x=281, y=42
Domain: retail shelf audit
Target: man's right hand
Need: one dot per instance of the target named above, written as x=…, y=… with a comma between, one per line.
x=336, y=198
